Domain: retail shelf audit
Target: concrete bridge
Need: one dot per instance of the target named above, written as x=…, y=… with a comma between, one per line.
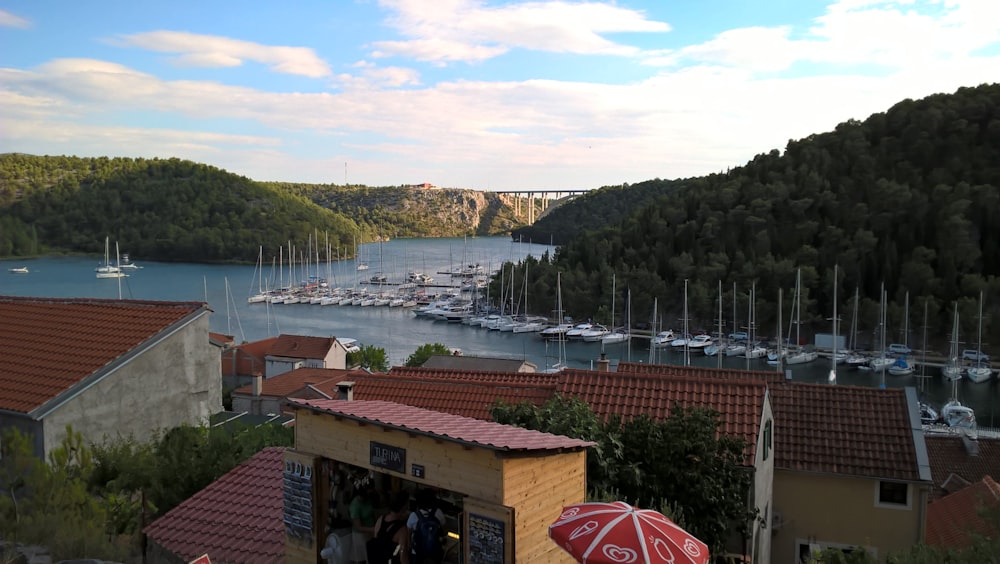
x=528, y=196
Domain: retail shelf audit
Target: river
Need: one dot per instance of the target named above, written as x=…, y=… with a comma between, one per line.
x=398, y=330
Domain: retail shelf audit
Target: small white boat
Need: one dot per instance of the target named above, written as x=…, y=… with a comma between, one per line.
x=619, y=335
x=662, y=339
x=577, y=331
x=595, y=333
x=700, y=341
x=18, y=270
x=126, y=262
x=736, y=349
x=556, y=331
x=680, y=341
x=901, y=367
x=979, y=373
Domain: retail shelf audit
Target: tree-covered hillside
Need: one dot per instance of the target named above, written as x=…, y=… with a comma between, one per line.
x=169, y=210
x=412, y=211
x=908, y=198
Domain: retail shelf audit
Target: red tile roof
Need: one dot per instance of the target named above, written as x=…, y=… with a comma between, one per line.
x=301, y=346
x=955, y=518
x=50, y=345
x=247, y=359
x=770, y=376
x=739, y=403
x=464, y=430
x=290, y=382
x=951, y=464
x=235, y=519
x=853, y=430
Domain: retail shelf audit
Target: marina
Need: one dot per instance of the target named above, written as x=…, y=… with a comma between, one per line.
x=399, y=331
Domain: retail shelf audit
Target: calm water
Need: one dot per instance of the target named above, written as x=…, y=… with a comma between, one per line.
x=397, y=330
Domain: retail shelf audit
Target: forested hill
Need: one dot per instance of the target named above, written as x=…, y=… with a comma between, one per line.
x=609, y=205
x=170, y=210
x=416, y=211
x=908, y=198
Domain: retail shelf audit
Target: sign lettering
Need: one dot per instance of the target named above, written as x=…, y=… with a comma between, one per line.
x=387, y=456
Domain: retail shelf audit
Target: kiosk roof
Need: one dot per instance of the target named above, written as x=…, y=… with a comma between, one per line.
x=444, y=426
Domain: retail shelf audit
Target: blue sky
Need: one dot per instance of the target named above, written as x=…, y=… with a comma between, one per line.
x=471, y=94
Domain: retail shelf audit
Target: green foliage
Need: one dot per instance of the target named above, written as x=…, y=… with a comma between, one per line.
x=677, y=464
x=908, y=198
x=369, y=357
x=424, y=352
x=49, y=504
x=170, y=210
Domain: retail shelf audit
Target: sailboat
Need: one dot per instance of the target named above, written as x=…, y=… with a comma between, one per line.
x=953, y=413
x=881, y=362
x=901, y=366
x=106, y=269
x=855, y=359
x=362, y=265
x=261, y=295
x=980, y=371
x=717, y=346
x=753, y=349
x=736, y=346
x=952, y=369
x=799, y=355
x=561, y=337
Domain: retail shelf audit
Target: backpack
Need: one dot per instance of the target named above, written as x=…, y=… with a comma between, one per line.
x=427, y=536
x=381, y=549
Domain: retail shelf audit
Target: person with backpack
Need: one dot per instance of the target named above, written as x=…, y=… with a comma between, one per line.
x=391, y=543
x=426, y=526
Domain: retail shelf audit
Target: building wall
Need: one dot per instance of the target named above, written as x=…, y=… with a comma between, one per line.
x=336, y=358
x=840, y=510
x=278, y=365
x=538, y=489
x=176, y=381
x=261, y=405
x=763, y=487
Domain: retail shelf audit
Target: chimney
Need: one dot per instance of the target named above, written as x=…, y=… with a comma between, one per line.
x=603, y=363
x=258, y=385
x=345, y=391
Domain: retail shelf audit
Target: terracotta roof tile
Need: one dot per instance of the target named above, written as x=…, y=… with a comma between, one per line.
x=953, y=519
x=301, y=346
x=292, y=381
x=823, y=428
x=951, y=463
x=739, y=403
x=247, y=359
x=853, y=430
x=48, y=345
x=235, y=519
x=464, y=430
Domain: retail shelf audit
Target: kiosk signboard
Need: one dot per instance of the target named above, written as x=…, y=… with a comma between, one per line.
x=486, y=540
x=387, y=456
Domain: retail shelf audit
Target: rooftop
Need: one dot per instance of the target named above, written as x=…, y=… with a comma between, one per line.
x=50, y=345
x=953, y=468
x=953, y=519
x=301, y=346
x=236, y=518
x=458, y=429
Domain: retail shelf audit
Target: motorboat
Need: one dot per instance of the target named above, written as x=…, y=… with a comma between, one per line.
x=700, y=341
x=577, y=331
x=680, y=341
x=556, y=331
x=18, y=270
x=619, y=335
x=595, y=333
x=662, y=339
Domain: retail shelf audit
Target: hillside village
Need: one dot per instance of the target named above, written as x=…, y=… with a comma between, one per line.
x=830, y=466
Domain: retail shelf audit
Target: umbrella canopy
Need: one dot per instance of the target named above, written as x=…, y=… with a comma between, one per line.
x=619, y=533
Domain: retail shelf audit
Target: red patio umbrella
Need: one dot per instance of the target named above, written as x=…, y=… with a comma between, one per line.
x=619, y=533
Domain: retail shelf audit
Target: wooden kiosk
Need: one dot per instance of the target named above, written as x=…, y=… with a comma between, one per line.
x=513, y=482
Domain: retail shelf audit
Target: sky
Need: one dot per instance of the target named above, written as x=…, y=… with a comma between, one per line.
x=488, y=95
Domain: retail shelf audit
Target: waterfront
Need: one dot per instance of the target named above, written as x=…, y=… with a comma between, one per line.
x=397, y=330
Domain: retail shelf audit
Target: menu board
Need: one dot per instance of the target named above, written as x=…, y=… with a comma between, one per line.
x=486, y=540
x=298, y=489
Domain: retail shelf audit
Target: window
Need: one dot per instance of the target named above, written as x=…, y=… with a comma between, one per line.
x=893, y=494
x=767, y=439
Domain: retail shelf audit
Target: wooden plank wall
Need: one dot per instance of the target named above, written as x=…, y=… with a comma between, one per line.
x=447, y=465
x=538, y=488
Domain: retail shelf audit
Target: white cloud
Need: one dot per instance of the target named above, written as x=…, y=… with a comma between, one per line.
x=469, y=30
x=214, y=51
x=8, y=19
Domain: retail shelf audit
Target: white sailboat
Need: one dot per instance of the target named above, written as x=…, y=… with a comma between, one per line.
x=619, y=334
x=952, y=369
x=261, y=295
x=754, y=349
x=901, y=366
x=799, y=355
x=106, y=269
x=881, y=362
x=980, y=371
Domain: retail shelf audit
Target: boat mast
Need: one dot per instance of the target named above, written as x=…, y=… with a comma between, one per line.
x=833, y=356
x=720, y=353
x=687, y=338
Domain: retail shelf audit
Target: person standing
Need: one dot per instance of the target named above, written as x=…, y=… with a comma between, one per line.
x=362, y=513
x=391, y=543
x=426, y=526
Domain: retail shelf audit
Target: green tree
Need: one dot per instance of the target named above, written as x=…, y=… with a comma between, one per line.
x=424, y=352
x=369, y=357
